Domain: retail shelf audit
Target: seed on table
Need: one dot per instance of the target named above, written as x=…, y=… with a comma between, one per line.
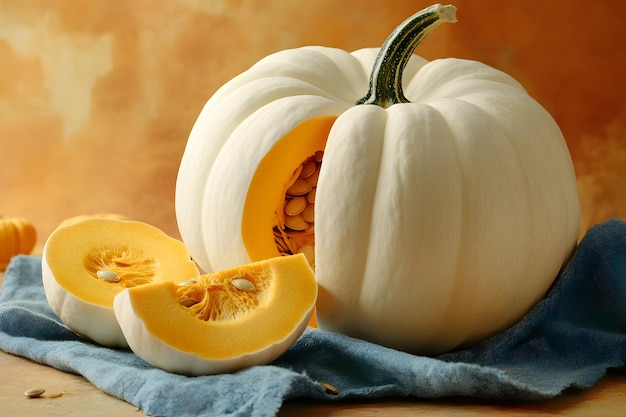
x=107, y=275
x=34, y=392
x=295, y=206
x=329, y=388
x=243, y=284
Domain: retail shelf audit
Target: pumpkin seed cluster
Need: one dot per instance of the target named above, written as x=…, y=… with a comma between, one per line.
x=216, y=297
x=122, y=265
x=294, y=230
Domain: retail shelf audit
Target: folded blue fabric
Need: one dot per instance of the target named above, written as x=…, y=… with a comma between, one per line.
x=569, y=339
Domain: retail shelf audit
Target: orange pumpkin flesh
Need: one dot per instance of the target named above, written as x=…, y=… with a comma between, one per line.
x=265, y=199
x=137, y=252
x=225, y=328
x=134, y=253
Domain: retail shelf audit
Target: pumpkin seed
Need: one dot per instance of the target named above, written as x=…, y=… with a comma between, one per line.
x=188, y=282
x=329, y=388
x=308, y=169
x=188, y=301
x=295, y=206
x=312, y=180
x=107, y=275
x=310, y=197
x=34, y=392
x=299, y=187
x=296, y=222
x=308, y=214
x=243, y=284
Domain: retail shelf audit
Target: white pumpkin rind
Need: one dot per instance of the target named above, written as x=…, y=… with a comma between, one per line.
x=454, y=239
x=90, y=321
x=160, y=354
x=260, y=106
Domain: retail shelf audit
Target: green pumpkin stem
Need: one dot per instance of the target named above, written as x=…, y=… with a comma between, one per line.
x=386, y=78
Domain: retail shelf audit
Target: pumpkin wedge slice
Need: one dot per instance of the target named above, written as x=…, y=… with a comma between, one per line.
x=100, y=215
x=220, y=322
x=87, y=263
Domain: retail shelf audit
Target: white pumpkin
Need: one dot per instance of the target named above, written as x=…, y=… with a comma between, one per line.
x=444, y=209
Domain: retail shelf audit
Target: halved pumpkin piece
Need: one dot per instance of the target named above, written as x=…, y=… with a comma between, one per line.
x=220, y=322
x=87, y=263
x=99, y=215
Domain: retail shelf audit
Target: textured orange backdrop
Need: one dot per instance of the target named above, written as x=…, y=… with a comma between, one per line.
x=97, y=97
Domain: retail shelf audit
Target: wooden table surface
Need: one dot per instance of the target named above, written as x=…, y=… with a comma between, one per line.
x=70, y=395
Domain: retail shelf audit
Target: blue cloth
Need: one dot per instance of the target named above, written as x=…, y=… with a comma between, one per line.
x=569, y=339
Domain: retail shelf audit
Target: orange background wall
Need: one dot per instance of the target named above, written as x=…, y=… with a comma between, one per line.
x=97, y=97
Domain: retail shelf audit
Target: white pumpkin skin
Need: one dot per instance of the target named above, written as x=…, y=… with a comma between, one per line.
x=437, y=222
x=91, y=321
x=162, y=355
x=467, y=209
x=264, y=103
x=241, y=122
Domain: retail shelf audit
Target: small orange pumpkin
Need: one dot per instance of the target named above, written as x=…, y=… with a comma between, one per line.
x=17, y=235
